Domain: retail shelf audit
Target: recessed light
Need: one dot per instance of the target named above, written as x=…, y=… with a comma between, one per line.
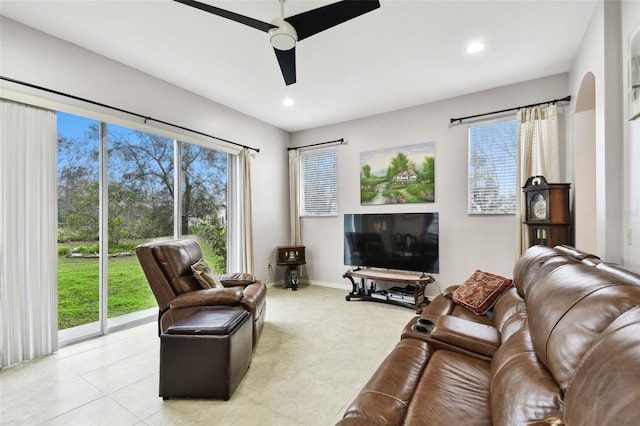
x=475, y=47
x=287, y=102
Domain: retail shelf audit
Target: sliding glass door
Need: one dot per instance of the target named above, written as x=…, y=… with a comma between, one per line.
x=129, y=176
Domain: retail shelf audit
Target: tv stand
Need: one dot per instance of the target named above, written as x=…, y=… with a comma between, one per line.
x=360, y=290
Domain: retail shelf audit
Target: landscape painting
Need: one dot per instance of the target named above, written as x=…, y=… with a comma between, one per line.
x=398, y=175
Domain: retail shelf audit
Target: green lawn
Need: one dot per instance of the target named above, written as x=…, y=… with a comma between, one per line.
x=78, y=297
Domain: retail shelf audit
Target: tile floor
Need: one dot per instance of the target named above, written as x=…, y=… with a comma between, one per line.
x=315, y=353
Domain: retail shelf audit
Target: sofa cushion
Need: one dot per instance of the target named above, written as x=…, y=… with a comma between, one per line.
x=567, y=311
x=205, y=275
x=611, y=371
x=480, y=291
x=508, y=304
x=533, y=394
x=458, y=387
x=385, y=397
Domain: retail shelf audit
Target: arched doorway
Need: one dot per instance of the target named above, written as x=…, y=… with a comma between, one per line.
x=584, y=205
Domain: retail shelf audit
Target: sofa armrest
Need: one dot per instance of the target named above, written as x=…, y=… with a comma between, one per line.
x=448, y=292
x=454, y=332
x=208, y=297
x=254, y=297
x=237, y=279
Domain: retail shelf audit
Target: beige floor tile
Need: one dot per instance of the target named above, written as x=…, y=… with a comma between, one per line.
x=124, y=373
x=305, y=396
x=315, y=353
x=47, y=400
x=141, y=398
x=187, y=412
x=103, y=411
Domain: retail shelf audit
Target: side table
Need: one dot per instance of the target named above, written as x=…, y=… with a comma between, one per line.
x=291, y=257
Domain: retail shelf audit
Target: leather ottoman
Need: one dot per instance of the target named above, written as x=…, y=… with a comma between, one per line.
x=206, y=354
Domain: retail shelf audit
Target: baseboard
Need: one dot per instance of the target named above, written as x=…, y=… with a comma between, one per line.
x=346, y=287
x=272, y=284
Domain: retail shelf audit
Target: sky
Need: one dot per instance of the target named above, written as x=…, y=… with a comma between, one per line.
x=73, y=126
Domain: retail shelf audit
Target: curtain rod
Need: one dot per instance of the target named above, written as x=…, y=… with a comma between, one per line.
x=341, y=141
x=565, y=99
x=146, y=118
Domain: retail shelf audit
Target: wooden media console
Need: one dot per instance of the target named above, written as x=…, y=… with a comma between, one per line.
x=364, y=287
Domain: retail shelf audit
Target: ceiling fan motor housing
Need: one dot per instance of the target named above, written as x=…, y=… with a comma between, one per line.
x=284, y=37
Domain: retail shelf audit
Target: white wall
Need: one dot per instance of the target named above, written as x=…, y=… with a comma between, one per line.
x=34, y=57
x=617, y=184
x=466, y=242
x=584, y=181
x=630, y=12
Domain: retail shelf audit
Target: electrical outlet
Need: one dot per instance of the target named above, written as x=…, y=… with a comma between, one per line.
x=629, y=237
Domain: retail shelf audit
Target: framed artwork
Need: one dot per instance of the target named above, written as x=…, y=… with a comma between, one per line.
x=398, y=175
x=634, y=73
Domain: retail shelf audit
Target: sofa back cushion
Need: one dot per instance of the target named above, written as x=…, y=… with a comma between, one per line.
x=568, y=309
x=175, y=259
x=528, y=265
x=576, y=253
x=522, y=389
x=606, y=387
x=508, y=303
x=624, y=275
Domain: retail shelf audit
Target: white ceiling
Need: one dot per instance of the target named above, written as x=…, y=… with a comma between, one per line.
x=403, y=54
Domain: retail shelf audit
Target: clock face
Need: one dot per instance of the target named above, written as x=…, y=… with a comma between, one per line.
x=539, y=206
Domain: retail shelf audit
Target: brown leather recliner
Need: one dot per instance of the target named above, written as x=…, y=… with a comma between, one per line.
x=167, y=266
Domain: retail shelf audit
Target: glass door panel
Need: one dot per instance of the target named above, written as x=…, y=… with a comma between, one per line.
x=203, y=194
x=78, y=226
x=141, y=209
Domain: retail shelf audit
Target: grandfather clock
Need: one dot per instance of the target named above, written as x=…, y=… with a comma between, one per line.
x=547, y=214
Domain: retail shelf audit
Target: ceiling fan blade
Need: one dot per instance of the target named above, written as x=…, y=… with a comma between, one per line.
x=317, y=20
x=287, y=61
x=254, y=23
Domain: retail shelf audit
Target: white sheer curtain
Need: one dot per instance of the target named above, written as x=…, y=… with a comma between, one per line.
x=246, y=230
x=28, y=228
x=539, y=154
x=294, y=204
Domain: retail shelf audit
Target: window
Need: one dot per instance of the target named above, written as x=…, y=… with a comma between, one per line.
x=492, y=168
x=319, y=182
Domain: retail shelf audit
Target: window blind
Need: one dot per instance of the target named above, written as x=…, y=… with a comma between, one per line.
x=493, y=164
x=319, y=182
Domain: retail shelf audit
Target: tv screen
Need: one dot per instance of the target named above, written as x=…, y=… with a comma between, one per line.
x=400, y=241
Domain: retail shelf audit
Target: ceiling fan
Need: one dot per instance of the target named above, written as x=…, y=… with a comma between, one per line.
x=284, y=33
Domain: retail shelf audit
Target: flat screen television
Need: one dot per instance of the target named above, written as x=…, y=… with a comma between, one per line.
x=399, y=241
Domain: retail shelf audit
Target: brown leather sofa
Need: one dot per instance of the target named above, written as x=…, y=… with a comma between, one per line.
x=167, y=266
x=560, y=347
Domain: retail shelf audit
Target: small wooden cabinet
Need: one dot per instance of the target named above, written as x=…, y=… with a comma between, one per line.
x=291, y=257
x=549, y=235
x=547, y=213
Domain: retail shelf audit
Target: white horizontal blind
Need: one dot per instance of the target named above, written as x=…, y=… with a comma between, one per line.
x=493, y=164
x=319, y=182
